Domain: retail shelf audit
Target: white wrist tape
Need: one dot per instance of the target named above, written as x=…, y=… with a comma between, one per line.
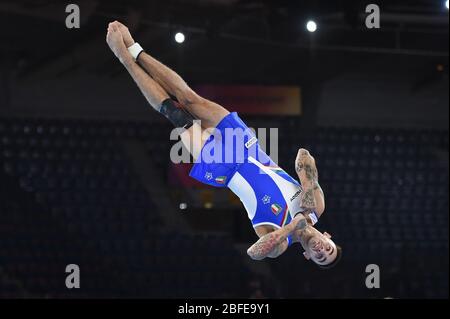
x=135, y=50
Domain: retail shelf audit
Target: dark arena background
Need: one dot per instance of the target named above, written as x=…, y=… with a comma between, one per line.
x=86, y=177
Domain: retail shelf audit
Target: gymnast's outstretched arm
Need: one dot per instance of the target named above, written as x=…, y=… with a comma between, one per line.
x=313, y=198
x=274, y=244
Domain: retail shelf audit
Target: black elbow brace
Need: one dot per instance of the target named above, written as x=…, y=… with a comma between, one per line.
x=178, y=116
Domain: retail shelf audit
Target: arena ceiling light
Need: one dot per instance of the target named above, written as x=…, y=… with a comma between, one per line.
x=311, y=26
x=180, y=37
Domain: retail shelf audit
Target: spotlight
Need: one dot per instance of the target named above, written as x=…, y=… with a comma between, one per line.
x=179, y=37
x=446, y=4
x=311, y=26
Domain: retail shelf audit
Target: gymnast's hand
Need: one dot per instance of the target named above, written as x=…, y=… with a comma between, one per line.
x=299, y=224
x=116, y=43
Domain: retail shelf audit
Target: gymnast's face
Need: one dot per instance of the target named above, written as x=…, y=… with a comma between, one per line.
x=318, y=247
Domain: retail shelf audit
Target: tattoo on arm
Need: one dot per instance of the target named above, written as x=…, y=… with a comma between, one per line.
x=265, y=246
x=277, y=251
x=317, y=187
x=298, y=166
x=310, y=171
x=308, y=199
x=302, y=224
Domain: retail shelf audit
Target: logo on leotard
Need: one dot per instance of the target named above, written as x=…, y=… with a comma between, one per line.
x=251, y=142
x=295, y=195
x=266, y=199
x=276, y=209
x=221, y=179
x=208, y=176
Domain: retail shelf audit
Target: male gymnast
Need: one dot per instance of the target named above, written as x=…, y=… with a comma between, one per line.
x=281, y=210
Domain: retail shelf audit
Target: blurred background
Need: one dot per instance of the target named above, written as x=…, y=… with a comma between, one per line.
x=85, y=173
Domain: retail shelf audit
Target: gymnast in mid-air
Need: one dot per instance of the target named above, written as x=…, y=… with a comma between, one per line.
x=282, y=210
